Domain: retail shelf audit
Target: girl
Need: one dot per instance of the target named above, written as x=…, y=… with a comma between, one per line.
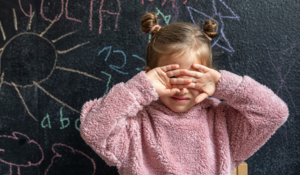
x=162, y=122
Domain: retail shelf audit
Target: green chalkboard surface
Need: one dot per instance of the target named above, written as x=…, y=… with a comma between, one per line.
x=57, y=54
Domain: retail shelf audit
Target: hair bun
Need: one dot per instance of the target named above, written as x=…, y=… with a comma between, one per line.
x=148, y=21
x=209, y=28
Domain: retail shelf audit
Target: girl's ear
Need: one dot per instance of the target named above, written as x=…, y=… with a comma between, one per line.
x=147, y=69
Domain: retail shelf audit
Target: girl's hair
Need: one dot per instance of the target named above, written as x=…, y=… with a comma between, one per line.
x=178, y=38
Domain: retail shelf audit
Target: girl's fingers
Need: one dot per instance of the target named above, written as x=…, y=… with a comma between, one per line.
x=180, y=80
x=192, y=85
x=184, y=73
x=170, y=92
x=201, y=68
x=180, y=86
x=200, y=97
x=176, y=73
x=170, y=67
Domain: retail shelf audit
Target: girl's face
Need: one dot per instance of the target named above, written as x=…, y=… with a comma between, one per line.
x=185, y=99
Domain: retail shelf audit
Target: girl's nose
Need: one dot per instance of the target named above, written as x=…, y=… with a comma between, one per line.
x=183, y=91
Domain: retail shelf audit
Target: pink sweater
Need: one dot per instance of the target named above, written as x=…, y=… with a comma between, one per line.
x=131, y=129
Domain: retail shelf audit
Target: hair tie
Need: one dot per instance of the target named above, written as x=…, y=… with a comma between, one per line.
x=153, y=28
x=209, y=38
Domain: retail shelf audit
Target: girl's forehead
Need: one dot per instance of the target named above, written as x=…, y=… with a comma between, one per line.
x=185, y=60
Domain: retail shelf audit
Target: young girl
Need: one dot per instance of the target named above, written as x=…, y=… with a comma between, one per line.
x=163, y=120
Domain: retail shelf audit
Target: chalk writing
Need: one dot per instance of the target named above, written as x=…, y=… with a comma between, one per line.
x=107, y=84
x=194, y=13
x=117, y=14
x=64, y=156
x=20, y=151
x=46, y=122
x=30, y=9
x=63, y=120
x=64, y=10
x=114, y=67
x=142, y=68
x=77, y=124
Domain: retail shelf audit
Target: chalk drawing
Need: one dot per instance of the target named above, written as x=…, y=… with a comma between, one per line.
x=30, y=21
x=3, y=33
x=278, y=59
x=197, y=12
x=15, y=19
x=65, y=154
x=20, y=151
x=164, y=2
x=1, y=80
x=37, y=64
x=166, y=19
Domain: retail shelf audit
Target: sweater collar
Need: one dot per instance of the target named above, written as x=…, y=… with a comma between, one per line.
x=159, y=106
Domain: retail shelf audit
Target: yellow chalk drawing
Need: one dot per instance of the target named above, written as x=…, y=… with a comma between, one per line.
x=2, y=31
x=30, y=21
x=1, y=80
x=37, y=60
x=23, y=101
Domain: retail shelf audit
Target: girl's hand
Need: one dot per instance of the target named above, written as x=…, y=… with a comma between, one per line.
x=162, y=82
x=204, y=80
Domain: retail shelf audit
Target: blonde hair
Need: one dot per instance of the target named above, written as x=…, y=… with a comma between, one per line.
x=177, y=38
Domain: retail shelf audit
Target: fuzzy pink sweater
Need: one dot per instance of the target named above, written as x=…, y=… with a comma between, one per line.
x=131, y=129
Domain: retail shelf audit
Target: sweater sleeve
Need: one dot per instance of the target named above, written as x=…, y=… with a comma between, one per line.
x=104, y=120
x=252, y=111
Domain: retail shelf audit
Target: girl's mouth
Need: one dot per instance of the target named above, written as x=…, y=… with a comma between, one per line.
x=180, y=99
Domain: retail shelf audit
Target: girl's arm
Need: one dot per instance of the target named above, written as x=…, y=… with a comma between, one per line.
x=104, y=120
x=253, y=113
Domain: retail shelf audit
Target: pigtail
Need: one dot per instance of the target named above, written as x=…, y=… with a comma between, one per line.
x=209, y=29
x=149, y=23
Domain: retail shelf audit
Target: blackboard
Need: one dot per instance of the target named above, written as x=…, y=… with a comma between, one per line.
x=56, y=55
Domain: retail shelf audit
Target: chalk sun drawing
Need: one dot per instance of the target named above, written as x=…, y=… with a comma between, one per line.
x=33, y=63
x=222, y=37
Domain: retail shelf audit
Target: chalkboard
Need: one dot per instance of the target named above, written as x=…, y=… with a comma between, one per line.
x=56, y=55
